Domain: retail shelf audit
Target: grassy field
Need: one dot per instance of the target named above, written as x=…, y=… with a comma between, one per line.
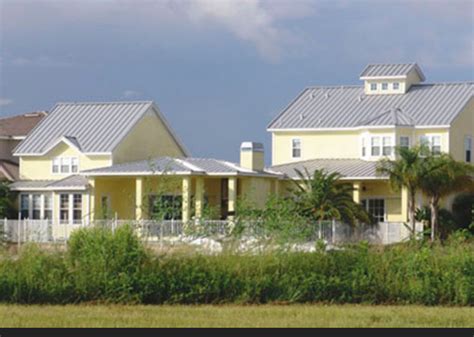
x=235, y=316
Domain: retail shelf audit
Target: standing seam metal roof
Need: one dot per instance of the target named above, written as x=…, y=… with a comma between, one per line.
x=349, y=168
x=386, y=70
x=176, y=165
x=94, y=127
x=348, y=107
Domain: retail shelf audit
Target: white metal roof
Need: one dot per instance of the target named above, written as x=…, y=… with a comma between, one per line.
x=348, y=107
x=390, y=71
x=95, y=128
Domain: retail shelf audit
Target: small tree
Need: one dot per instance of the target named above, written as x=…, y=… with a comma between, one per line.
x=321, y=196
x=405, y=172
x=442, y=176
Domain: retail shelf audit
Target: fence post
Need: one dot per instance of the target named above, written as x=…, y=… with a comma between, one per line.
x=319, y=230
x=5, y=228
x=333, y=231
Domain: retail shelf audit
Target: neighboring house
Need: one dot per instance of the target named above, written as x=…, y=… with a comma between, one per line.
x=347, y=129
x=12, y=131
x=89, y=161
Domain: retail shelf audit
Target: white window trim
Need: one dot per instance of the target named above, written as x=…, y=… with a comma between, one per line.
x=292, y=148
x=400, y=140
x=42, y=204
x=60, y=164
x=367, y=137
x=468, y=140
x=430, y=140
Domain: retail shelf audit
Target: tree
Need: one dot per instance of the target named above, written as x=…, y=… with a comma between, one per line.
x=321, y=196
x=442, y=176
x=405, y=172
x=7, y=201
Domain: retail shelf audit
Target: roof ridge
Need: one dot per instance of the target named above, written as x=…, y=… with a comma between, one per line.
x=342, y=86
x=105, y=102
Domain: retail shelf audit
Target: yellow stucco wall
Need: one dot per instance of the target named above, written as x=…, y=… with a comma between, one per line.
x=342, y=144
x=148, y=139
x=37, y=168
x=462, y=126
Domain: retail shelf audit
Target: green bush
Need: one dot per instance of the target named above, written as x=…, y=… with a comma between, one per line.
x=114, y=267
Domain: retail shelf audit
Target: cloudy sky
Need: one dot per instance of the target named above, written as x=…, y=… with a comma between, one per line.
x=218, y=69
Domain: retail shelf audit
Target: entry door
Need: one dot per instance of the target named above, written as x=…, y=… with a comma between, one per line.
x=376, y=208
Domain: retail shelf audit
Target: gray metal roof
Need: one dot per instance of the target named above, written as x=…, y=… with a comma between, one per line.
x=93, y=127
x=348, y=168
x=74, y=182
x=388, y=70
x=349, y=107
x=169, y=165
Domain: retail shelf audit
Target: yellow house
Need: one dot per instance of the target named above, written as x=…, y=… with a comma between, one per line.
x=90, y=161
x=347, y=129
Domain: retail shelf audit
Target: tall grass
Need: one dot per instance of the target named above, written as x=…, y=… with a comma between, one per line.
x=101, y=266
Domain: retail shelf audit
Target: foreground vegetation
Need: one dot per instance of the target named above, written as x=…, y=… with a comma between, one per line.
x=234, y=316
x=102, y=266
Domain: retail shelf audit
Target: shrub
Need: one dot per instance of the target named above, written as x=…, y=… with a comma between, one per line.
x=115, y=267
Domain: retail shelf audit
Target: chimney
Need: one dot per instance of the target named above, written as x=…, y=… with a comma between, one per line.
x=252, y=156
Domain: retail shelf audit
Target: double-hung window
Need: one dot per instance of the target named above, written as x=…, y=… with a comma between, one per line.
x=364, y=150
x=468, y=148
x=432, y=142
x=404, y=142
x=387, y=146
x=296, y=148
x=64, y=208
x=25, y=206
x=36, y=213
x=77, y=208
x=375, y=146
x=48, y=207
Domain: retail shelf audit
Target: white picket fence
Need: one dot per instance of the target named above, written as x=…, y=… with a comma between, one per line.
x=333, y=232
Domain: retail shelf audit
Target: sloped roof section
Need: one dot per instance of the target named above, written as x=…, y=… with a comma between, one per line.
x=348, y=168
x=390, y=70
x=21, y=125
x=8, y=170
x=177, y=166
x=93, y=127
x=349, y=107
x=391, y=117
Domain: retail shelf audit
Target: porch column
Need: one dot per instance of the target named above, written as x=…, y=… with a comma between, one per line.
x=356, y=192
x=186, y=195
x=232, y=188
x=138, y=198
x=199, y=196
x=91, y=211
x=404, y=202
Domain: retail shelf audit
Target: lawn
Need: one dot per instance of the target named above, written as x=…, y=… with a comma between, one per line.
x=234, y=316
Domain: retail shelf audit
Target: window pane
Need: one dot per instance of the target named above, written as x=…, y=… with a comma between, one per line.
x=376, y=208
x=74, y=165
x=373, y=86
x=387, y=146
x=36, y=207
x=65, y=164
x=363, y=147
x=24, y=201
x=375, y=146
x=396, y=85
x=384, y=86
x=56, y=164
x=48, y=202
x=48, y=214
x=64, y=201
x=404, y=142
x=77, y=201
x=296, y=148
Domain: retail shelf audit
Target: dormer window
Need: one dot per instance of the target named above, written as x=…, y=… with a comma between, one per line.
x=373, y=86
x=384, y=86
x=396, y=85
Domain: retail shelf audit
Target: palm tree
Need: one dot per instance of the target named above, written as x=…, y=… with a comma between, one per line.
x=405, y=172
x=321, y=196
x=443, y=176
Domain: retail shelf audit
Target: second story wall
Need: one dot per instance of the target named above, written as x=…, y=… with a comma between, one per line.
x=41, y=167
x=462, y=130
x=148, y=139
x=340, y=144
